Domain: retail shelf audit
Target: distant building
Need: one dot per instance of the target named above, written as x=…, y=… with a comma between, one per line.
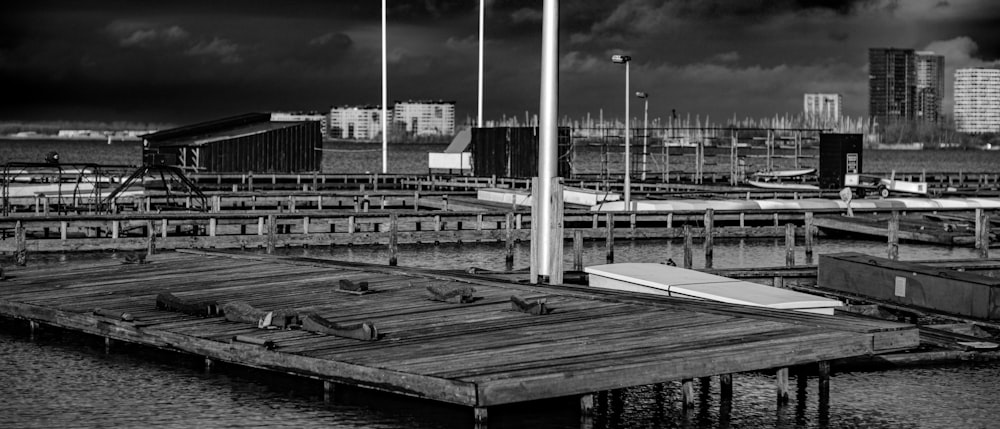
x=892, y=84
x=303, y=116
x=929, y=86
x=356, y=122
x=977, y=100
x=425, y=117
x=249, y=142
x=822, y=106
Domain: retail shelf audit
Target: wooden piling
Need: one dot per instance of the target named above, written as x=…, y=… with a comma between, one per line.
x=272, y=230
x=609, y=239
x=150, y=240
x=894, y=235
x=789, y=245
x=688, y=240
x=329, y=389
x=824, y=382
x=687, y=393
x=726, y=387
x=509, y=241
x=709, y=226
x=20, y=244
x=781, y=381
x=577, y=250
x=809, y=237
x=587, y=404
x=393, y=238
x=979, y=228
x=984, y=232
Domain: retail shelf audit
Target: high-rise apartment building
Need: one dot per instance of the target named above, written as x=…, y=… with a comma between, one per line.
x=892, y=84
x=930, y=85
x=356, y=122
x=977, y=100
x=425, y=117
x=822, y=106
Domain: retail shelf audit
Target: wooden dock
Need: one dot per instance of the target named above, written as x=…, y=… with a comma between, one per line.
x=478, y=354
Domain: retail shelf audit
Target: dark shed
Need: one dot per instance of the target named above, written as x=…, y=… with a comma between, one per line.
x=513, y=152
x=249, y=142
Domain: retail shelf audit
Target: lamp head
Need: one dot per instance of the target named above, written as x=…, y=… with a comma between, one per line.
x=620, y=59
x=641, y=94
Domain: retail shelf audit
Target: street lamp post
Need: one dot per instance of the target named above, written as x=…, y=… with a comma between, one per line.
x=624, y=59
x=645, y=128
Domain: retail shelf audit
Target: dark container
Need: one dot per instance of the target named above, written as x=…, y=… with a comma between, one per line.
x=905, y=283
x=513, y=152
x=839, y=154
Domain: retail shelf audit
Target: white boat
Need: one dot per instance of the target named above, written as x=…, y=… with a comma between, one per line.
x=659, y=279
x=788, y=186
x=785, y=173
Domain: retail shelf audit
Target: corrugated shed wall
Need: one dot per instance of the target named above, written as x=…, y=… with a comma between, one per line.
x=513, y=152
x=286, y=150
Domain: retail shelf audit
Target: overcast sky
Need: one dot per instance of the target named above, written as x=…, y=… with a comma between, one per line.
x=183, y=61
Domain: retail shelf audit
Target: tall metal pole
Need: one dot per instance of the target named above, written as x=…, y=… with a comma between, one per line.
x=628, y=158
x=482, y=30
x=645, y=133
x=548, y=135
x=385, y=98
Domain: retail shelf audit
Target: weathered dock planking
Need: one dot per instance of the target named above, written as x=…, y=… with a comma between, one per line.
x=477, y=354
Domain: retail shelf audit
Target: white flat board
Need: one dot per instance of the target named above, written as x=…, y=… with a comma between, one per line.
x=675, y=281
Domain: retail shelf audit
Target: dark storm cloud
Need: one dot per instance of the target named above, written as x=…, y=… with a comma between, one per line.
x=187, y=60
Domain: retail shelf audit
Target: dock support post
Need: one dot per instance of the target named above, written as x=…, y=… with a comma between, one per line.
x=587, y=405
x=609, y=241
x=894, y=236
x=328, y=391
x=809, y=237
x=726, y=387
x=480, y=416
x=824, y=382
x=709, y=226
x=789, y=244
x=509, y=241
x=781, y=380
x=393, y=247
x=979, y=229
x=32, y=329
x=687, y=393
x=688, y=263
x=208, y=361
x=577, y=250
x=107, y=345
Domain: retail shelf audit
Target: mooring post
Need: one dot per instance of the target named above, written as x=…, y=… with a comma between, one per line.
x=208, y=361
x=509, y=241
x=609, y=240
x=32, y=329
x=894, y=235
x=577, y=250
x=107, y=345
x=809, y=237
x=781, y=381
x=480, y=416
x=979, y=229
x=688, y=242
x=789, y=244
x=587, y=404
x=393, y=247
x=709, y=226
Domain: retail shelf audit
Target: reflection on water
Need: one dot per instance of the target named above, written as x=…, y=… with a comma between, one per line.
x=64, y=380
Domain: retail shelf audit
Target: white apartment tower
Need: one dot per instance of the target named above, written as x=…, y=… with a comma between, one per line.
x=977, y=100
x=356, y=122
x=822, y=106
x=930, y=85
x=425, y=117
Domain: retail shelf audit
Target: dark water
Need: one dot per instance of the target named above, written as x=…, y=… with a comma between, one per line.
x=62, y=380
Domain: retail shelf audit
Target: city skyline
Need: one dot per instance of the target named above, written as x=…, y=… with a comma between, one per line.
x=187, y=62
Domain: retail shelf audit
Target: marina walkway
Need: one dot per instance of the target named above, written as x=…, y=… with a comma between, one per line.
x=478, y=354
